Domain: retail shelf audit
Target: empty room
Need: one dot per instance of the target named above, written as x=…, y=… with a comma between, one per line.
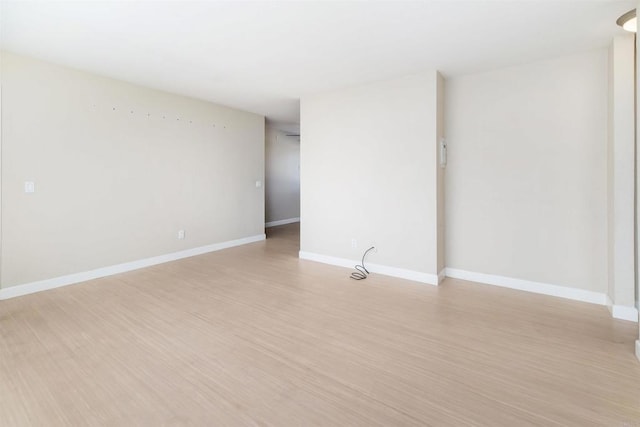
x=319, y=213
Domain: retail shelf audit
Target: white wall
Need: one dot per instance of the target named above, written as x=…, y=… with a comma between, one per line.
x=1, y=68
x=440, y=184
x=282, y=176
x=118, y=169
x=637, y=206
x=368, y=171
x=621, y=170
x=527, y=174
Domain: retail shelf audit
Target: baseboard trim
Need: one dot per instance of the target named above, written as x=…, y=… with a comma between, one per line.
x=529, y=286
x=442, y=275
x=609, y=304
x=638, y=349
x=624, y=312
x=281, y=222
x=416, y=276
x=70, y=279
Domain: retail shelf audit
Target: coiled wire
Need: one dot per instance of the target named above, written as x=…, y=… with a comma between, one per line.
x=361, y=272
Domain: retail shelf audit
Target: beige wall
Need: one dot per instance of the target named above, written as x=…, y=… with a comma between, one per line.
x=118, y=169
x=368, y=171
x=282, y=175
x=527, y=173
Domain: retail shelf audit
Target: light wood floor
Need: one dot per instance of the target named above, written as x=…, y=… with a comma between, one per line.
x=254, y=336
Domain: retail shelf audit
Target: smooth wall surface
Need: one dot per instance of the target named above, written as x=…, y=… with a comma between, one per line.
x=1, y=179
x=527, y=173
x=440, y=208
x=637, y=167
x=621, y=172
x=368, y=172
x=118, y=170
x=282, y=175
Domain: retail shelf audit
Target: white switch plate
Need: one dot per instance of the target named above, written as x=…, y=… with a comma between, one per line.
x=443, y=152
x=180, y=234
x=29, y=187
x=258, y=184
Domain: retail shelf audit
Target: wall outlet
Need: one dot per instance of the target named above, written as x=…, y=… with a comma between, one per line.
x=443, y=152
x=29, y=187
x=354, y=243
x=180, y=234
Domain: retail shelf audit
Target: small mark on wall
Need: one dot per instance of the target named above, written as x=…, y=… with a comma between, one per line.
x=164, y=117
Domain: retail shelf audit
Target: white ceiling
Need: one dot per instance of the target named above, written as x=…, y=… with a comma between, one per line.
x=263, y=56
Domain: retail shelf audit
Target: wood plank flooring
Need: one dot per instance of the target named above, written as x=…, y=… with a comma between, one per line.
x=254, y=336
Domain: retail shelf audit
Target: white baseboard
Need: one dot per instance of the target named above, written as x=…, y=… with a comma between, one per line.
x=401, y=273
x=529, y=286
x=638, y=349
x=281, y=222
x=56, y=282
x=442, y=275
x=609, y=304
x=624, y=312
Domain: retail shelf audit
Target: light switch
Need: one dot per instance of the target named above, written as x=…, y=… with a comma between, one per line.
x=258, y=184
x=29, y=187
